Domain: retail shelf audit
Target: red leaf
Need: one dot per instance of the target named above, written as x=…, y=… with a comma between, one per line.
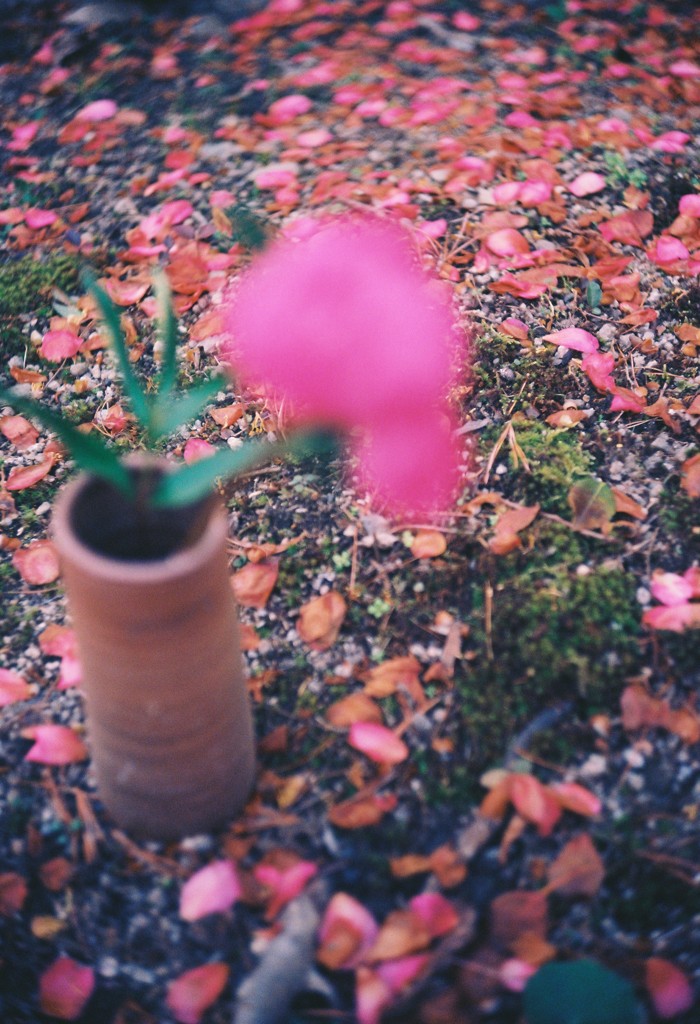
x=320, y=620
x=576, y=798
x=253, y=584
x=13, y=893
x=436, y=912
x=347, y=932
x=193, y=992
x=21, y=477
x=65, y=987
x=37, y=564
x=690, y=471
x=578, y=870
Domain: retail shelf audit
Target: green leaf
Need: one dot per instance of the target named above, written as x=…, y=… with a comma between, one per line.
x=190, y=483
x=594, y=294
x=593, y=504
x=132, y=385
x=169, y=413
x=89, y=452
x=167, y=328
x=581, y=992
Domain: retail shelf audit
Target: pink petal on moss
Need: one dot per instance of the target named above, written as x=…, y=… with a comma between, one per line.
x=54, y=744
x=507, y=193
x=197, y=448
x=670, y=589
x=98, y=110
x=587, y=184
x=58, y=345
x=211, y=890
x=668, y=987
x=12, y=687
x=65, y=987
x=377, y=742
x=677, y=618
x=192, y=993
x=436, y=912
x=36, y=219
x=575, y=338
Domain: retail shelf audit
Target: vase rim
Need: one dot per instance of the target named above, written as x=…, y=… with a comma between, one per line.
x=119, y=570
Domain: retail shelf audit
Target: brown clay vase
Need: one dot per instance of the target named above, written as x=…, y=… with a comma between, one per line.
x=168, y=717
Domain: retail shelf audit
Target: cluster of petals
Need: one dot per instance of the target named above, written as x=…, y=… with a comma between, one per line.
x=677, y=610
x=346, y=326
x=385, y=959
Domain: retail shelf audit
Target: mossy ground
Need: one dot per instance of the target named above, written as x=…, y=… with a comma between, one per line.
x=26, y=285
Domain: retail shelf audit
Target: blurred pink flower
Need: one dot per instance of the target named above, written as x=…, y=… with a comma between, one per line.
x=346, y=326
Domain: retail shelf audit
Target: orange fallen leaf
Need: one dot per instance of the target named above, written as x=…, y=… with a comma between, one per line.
x=38, y=563
x=227, y=415
x=428, y=544
x=403, y=932
x=565, y=418
x=517, y=913
x=320, y=620
x=690, y=471
x=578, y=870
x=13, y=893
x=508, y=526
x=627, y=506
x=361, y=810
x=19, y=431
x=410, y=864
x=253, y=584
x=386, y=678
x=12, y=687
x=356, y=707
x=21, y=477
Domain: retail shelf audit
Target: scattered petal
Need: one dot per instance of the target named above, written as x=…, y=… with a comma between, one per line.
x=65, y=987
x=668, y=987
x=211, y=890
x=192, y=993
x=38, y=563
x=12, y=687
x=54, y=744
x=377, y=742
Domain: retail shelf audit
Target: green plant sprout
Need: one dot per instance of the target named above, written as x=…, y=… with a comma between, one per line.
x=159, y=414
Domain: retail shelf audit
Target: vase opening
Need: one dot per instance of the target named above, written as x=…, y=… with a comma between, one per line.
x=116, y=526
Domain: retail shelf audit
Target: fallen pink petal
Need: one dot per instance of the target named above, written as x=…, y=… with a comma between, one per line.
x=211, y=890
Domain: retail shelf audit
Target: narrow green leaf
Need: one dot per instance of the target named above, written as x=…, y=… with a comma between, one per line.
x=170, y=413
x=167, y=328
x=89, y=452
x=132, y=385
x=191, y=482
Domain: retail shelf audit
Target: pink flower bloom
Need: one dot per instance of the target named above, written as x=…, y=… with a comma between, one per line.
x=347, y=327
